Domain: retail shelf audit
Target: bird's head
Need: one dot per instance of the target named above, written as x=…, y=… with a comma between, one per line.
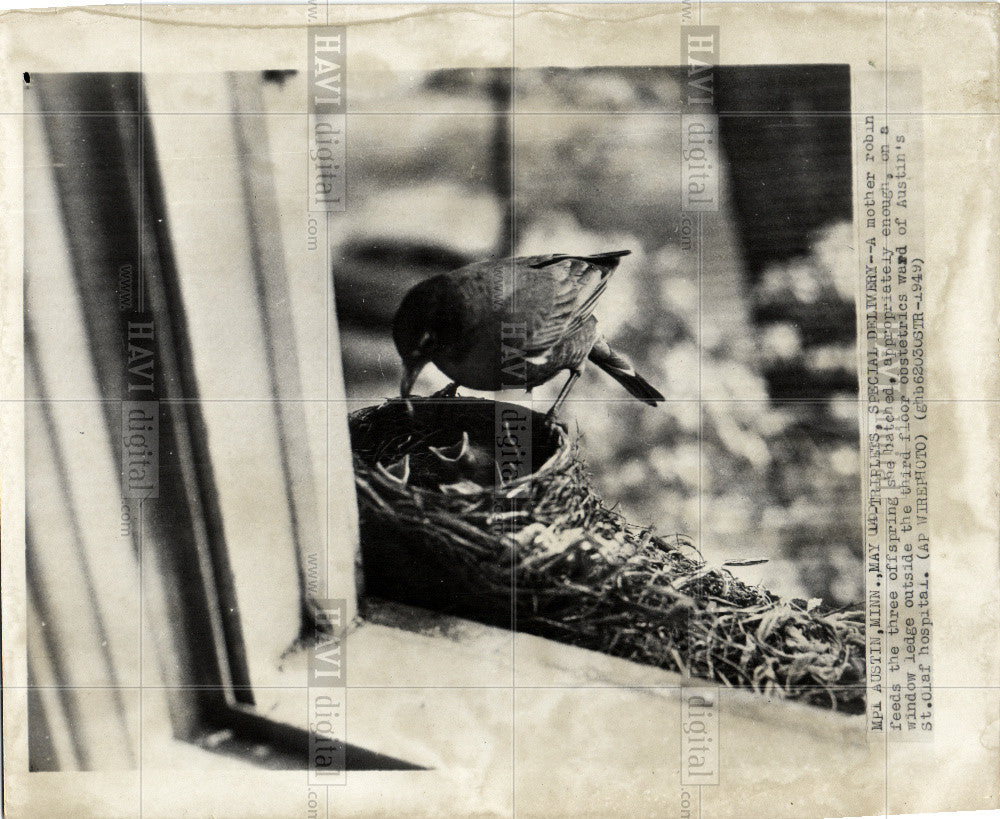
x=415, y=333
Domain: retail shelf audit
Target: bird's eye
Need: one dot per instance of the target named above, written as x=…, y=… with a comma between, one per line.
x=426, y=340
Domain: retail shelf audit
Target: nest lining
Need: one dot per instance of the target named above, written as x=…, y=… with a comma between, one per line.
x=543, y=554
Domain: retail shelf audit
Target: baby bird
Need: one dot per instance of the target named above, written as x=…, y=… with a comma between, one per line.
x=515, y=322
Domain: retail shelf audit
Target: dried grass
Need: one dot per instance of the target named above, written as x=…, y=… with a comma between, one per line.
x=543, y=554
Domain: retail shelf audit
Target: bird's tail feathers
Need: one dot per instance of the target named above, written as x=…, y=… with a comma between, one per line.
x=619, y=368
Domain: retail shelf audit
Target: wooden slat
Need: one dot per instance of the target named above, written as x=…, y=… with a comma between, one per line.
x=101, y=148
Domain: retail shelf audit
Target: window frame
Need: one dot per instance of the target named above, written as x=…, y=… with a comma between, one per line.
x=114, y=213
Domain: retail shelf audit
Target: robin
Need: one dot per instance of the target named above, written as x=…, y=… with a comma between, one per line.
x=514, y=322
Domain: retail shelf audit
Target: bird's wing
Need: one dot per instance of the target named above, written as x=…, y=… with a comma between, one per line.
x=560, y=293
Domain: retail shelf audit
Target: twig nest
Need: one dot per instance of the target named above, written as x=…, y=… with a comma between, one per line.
x=485, y=510
x=451, y=446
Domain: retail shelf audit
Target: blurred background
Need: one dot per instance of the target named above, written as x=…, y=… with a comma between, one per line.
x=744, y=318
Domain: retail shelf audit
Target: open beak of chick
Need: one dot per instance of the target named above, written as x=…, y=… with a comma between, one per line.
x=472, y=462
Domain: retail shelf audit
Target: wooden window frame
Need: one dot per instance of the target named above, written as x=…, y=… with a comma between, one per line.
x=100, y=141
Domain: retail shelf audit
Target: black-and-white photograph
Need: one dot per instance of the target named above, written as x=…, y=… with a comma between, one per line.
x=576, y=407
x=439, y=436
x=691, y=458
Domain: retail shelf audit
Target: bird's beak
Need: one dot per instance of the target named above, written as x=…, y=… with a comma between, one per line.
x=410, y=372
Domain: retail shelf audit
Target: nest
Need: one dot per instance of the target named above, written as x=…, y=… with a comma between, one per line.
x=455, y=517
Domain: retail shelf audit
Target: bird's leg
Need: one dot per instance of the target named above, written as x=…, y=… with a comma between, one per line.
x=551, y=414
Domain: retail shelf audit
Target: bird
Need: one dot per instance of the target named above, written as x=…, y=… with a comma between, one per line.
x=517, y=322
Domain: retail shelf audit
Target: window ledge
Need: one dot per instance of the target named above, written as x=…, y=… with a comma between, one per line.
x=402, y=661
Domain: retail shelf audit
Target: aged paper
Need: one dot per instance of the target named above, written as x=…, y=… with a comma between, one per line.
x=212, y=215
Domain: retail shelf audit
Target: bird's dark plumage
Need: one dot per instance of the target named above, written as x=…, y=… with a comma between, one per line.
x=515, y=322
